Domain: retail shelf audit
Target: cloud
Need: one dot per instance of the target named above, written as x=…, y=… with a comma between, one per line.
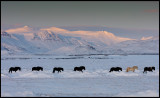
x=151, y=11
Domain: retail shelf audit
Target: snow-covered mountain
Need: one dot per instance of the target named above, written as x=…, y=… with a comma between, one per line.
x=55, y=40
x=149, y=46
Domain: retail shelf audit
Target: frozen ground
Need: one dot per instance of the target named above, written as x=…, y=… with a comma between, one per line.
x=94, y=81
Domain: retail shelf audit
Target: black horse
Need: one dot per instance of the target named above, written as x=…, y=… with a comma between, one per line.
x=14, y=69
x=115, y=69
x=153, y=68
x=37, y=68
x=148, y=69
x=59, y=69
x=81, y=68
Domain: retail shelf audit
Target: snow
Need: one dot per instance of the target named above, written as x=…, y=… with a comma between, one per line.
x=98, y=51
x=96, y=80
x=148, y=93
x=24, y=29
x=52, y=40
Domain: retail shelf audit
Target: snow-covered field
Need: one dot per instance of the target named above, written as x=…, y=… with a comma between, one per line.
x=94, y=81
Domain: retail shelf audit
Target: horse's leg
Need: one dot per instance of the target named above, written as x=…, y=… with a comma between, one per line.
x=145, y=71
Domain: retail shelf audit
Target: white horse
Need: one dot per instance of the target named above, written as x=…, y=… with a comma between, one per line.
x=131, y=68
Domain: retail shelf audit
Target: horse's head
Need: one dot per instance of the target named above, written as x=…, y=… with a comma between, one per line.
x=153, y=68
x=53, y=70
x=111, y=70
x=75, y=68
x=135, y=67
x=10, y=70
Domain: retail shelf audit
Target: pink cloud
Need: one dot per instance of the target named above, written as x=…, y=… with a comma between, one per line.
x=151, y=10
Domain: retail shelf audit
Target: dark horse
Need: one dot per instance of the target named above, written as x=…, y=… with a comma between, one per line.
x=115, y=69
x=59, y=69
x=148, y=69
x=14, y=69
x=37, y=68
x=81, y=68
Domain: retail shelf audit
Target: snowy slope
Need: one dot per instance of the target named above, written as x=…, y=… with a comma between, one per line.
x=148, y=46
x=17, y=43
x=60, y=41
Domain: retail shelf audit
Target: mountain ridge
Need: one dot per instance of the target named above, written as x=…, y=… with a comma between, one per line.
x=61, y=41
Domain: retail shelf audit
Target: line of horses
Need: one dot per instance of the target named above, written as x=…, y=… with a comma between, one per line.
x=150, y=69
x=81, y=68
x=38, y=68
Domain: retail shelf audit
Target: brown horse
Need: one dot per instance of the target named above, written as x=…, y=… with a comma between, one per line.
x=135, y=67
x=131, y=68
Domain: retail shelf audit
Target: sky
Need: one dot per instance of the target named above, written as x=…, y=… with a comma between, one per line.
x=115, y=14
